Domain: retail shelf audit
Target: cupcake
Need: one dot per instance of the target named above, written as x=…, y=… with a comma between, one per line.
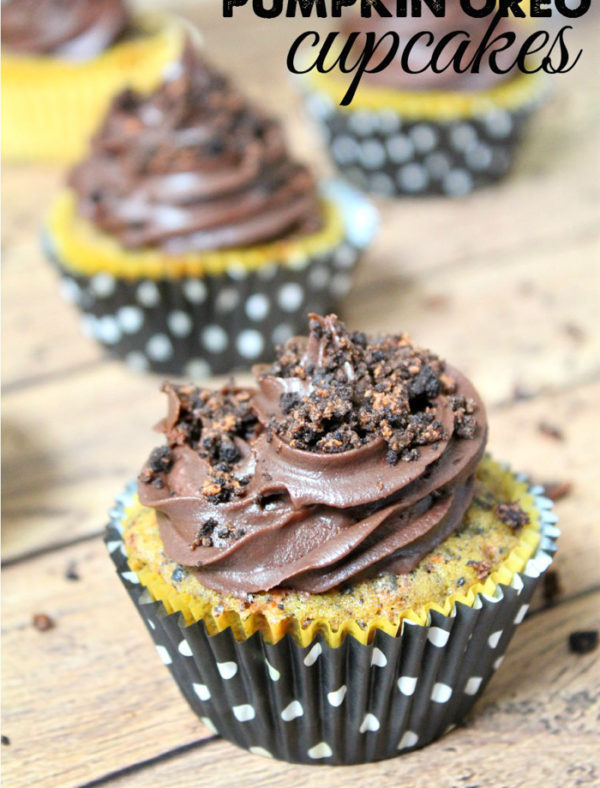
x=424, y=133
x=327, y=562
x=63, y=60
x=189, y=237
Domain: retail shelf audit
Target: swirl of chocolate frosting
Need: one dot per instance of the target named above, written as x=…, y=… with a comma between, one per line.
x=193, y=166
x=73, y=29
x=454, y=19
x=355, y=456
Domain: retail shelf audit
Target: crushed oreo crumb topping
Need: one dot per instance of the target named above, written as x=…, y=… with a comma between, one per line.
x=359, y=388
x=209, y=422
x=583, y=642
x=213, y=534
x=512, y=515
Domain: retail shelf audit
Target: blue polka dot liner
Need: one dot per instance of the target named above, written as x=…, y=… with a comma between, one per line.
x=347, y=705
x=382, y=152
x=215, y=324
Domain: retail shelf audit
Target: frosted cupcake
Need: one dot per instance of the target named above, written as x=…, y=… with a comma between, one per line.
x=190, y=238
x=63, y=60
x=326, y=561
x=425, y=133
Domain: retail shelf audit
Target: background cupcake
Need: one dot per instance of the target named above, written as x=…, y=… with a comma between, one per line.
x=326, y=564
x=190, y=238
x=63, y=60
x=425, y=133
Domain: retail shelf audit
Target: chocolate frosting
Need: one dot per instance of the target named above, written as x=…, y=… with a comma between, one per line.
x=73, y=29
x=193, y=166
x=246, y=509
x=455, y=19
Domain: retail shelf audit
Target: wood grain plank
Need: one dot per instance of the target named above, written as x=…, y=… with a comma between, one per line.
x=535, y=725
x=89, y=695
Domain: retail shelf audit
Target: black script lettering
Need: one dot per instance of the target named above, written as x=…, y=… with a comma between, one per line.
x=549, y=68
x=406, y=52
x=486, y=43
x=455, y=58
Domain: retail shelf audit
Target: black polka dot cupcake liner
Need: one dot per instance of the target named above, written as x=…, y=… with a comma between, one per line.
x=215, y=324
x=347, y=705
x=390, y=154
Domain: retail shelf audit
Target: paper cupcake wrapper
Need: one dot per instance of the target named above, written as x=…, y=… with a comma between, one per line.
x=387, y=153
x=346, y=705
x=50, y=106
x=217, y=323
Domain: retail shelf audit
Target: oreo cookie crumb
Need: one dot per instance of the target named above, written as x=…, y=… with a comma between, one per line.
x=42, y=622
x=361, y=388
x=212, y=534
x=5, y=740
x=557, y=490
x=584, y=641
x=552, y=587
x=71, y=572
x=551, y=430
x=209, y=422
x=512, y=515
x=159, y=462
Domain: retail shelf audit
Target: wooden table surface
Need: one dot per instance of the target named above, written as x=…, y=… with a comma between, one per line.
x=504, y=283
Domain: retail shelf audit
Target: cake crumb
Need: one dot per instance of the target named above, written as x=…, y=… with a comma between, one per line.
x=557, y=490
x=512, y=515
x=583, y=642
x=42, y=622
x=551, y=430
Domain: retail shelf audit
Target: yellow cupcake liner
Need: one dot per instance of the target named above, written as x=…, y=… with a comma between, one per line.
x=273, y=629
x=85, y=251
x=442, y=106
x=51, y=106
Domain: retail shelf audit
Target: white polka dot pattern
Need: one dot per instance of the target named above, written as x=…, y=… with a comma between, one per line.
x=257, y=306
x=290, y=297
x=409, y=739
x=291, y=711
x=407, y=685
x=201, y=691
x=437, y=636
x=159, y=347
x=320, y=750
x=336, y=697
x=388, y=155
x=244, y=713
x=250, y=343
x=441, y=693
x=369, y=723
x=472, y=685
x=180, y=323
x=214, y=339
x=148, y=294
x=378, y=658
x=227, y=669
x=328, y=704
